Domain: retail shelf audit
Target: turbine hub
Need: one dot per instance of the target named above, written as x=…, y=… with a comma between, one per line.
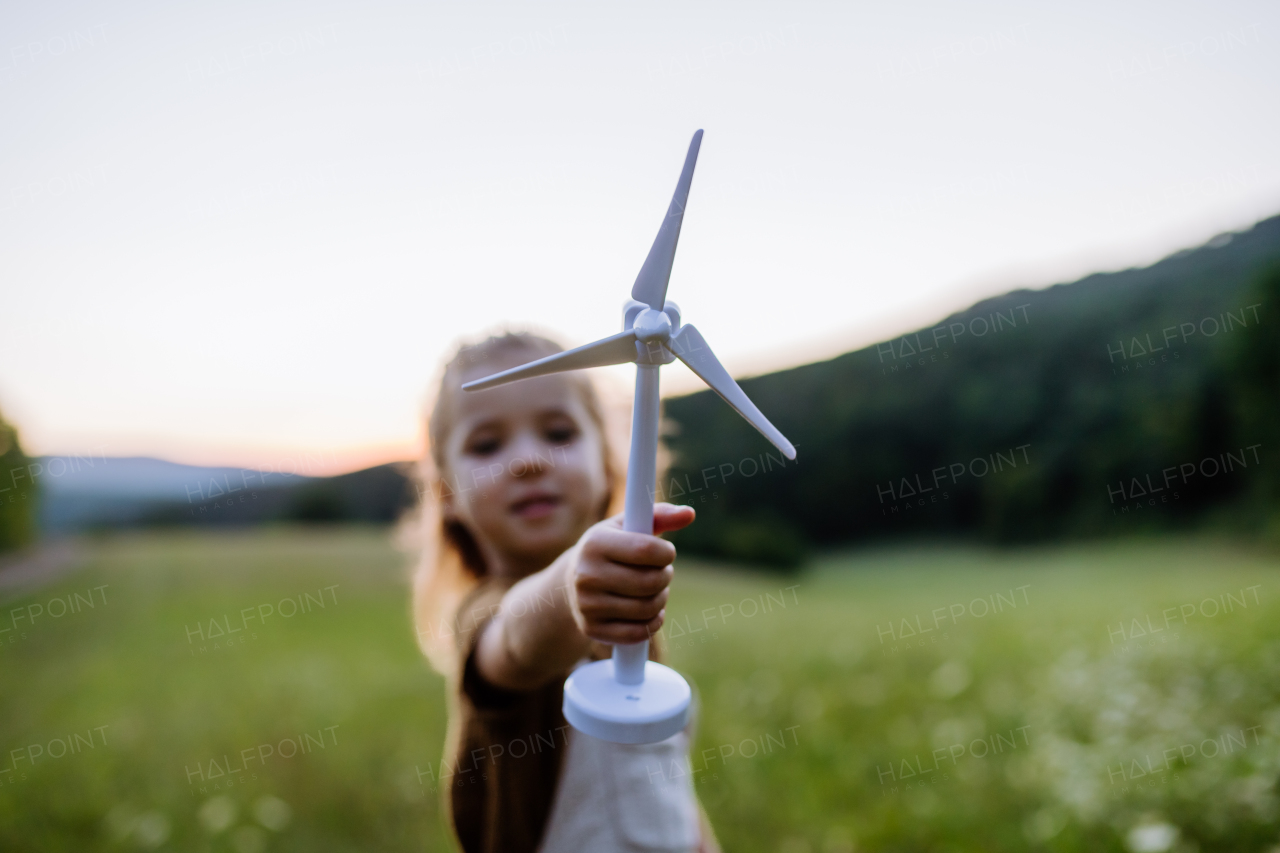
x=652, y=325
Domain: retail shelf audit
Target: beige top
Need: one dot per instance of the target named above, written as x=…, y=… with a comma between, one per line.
x=624, y=798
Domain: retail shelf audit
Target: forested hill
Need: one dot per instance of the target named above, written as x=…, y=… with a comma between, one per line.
x=1036, y=414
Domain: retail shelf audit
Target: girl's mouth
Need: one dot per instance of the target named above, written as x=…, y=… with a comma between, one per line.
x=536, y=506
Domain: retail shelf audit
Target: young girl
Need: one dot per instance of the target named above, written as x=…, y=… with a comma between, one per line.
x=527, y=573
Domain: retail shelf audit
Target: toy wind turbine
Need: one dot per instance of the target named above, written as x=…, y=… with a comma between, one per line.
x=631, y=699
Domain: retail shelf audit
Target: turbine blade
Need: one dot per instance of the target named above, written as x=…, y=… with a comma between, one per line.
x=689, y=346
x=651, y=285
x=615, y=349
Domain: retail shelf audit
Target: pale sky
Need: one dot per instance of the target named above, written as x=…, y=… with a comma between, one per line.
x=235, y=232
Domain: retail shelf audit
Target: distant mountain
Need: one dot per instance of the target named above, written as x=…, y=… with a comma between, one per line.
x=94, y=491
x=79, y=492
x=378, y=495
x=1039, y=413
x=144, y=477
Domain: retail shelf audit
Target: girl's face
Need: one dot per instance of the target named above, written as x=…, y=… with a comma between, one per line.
x=524, y=469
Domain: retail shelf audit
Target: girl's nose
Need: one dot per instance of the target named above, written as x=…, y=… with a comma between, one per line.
x=527, y=461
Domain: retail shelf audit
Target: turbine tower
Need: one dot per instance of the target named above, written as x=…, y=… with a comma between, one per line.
x=631, y=699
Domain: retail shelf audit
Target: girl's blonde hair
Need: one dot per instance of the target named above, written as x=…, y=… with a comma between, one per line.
x=451, y=564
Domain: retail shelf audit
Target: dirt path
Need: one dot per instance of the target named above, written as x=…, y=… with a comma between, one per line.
x=35, y=567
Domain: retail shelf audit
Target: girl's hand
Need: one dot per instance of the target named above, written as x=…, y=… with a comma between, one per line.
x=618, y=580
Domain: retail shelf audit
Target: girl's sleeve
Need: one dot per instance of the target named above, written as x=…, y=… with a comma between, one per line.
x=474, y=614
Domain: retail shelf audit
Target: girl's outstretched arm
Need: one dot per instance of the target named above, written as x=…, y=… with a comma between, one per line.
x=611, y=586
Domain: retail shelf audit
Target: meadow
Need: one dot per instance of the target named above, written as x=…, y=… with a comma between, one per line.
x=262, y=691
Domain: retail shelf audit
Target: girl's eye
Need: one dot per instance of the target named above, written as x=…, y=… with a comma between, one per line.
x=484, y=446
x=561, y=433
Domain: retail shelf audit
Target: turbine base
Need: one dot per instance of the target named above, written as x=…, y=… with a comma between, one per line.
x=595, y=703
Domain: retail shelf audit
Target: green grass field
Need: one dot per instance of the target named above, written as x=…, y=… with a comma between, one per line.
x=905, y=699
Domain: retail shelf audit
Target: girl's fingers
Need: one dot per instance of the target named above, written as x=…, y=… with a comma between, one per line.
x=622, y=578
x=634, y=549
x=624, y=632
x=607, y=577
x=668, y=517
x=606, y=607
